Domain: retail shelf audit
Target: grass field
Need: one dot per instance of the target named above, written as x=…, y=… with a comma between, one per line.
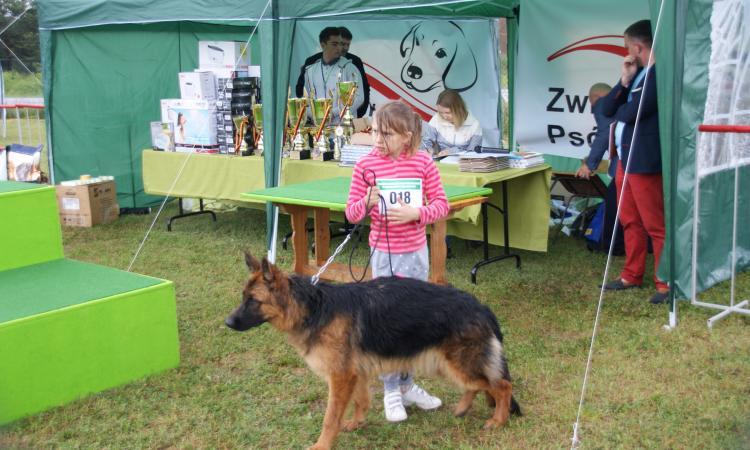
x=648, y=388
x=22, y=84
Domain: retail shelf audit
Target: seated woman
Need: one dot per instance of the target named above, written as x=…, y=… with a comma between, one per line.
x=453, y=129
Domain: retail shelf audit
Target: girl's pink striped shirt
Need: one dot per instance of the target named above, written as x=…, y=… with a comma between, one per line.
x=402, y=238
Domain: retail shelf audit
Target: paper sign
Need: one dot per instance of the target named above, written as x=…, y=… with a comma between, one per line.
x=408, y=190
x=71, y=203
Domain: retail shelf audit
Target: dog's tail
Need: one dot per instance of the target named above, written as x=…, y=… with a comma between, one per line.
x=515, y=408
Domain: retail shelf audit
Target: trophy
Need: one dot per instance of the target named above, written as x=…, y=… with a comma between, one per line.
x=258, y=126
x=322, y=117
x=297, y=112
x=347, y=91
x=240, y=125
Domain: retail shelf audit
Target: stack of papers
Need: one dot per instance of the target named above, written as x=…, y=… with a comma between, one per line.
x=526, y=159
x=482, y=162
x=351, y=153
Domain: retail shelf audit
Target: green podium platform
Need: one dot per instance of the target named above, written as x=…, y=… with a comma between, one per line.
x=69, y=328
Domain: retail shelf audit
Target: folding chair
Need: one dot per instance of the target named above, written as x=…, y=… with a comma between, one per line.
x=594, y=187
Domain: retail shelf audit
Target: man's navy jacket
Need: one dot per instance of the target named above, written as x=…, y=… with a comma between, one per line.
x=646, y=157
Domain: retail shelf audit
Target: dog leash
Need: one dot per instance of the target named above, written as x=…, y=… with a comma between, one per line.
x=316, y=278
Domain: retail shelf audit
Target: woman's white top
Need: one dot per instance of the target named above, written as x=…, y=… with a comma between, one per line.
x=441, y=135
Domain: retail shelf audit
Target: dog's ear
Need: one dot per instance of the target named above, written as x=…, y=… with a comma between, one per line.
x=252, y=263
x=407, y=43
x=461, y=72
x=268, y=269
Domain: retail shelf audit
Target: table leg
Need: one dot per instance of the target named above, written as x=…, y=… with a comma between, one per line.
x=184, y=214
x=485, y=236
x=299, y=238
x=322, y=235
x=438, y=253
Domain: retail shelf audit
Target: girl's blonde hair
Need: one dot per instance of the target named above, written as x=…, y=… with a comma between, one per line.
x=452, y=100
x=399, y=118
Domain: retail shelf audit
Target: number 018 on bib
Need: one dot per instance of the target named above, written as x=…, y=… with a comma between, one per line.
x=407, y=190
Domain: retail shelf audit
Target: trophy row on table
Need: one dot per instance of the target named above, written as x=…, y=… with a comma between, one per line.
x=304, y=139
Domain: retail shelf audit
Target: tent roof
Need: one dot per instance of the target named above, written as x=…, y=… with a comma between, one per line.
x=61, y=14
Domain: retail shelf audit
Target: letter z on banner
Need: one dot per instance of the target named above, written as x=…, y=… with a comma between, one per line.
x=564, y=48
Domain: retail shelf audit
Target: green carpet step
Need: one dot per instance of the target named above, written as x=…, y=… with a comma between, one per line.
x=29, y=225
x=68, y=329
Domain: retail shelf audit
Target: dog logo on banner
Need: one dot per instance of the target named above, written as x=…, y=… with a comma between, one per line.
x=437, y=55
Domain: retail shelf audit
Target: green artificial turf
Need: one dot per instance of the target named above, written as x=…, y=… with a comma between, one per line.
x=61, y=283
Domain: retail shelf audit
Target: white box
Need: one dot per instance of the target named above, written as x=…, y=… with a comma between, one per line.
x=194, y=121
x=197, y=85
x=223, y=55
x=253, y=71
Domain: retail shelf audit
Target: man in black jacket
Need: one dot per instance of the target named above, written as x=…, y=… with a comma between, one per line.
x=346, y=38
x=639, y=150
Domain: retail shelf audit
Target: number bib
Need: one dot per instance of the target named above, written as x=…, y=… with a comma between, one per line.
x=408, y=190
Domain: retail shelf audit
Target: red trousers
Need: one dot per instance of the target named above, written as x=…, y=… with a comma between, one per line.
x=641, y=216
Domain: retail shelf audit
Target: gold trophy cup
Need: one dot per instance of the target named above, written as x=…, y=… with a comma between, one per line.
x=346, y=90
x=240, y=125
x=258, y=126
x=297, y=109
x=322, y=110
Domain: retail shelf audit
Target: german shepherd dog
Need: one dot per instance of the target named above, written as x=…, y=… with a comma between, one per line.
x=348, y=333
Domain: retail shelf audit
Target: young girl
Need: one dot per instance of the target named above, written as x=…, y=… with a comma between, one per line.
x=399, y=247
x=453, y=129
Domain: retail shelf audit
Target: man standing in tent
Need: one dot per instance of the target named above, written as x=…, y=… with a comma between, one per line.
x=639, y=151
x=591, y=163
x=320, y=77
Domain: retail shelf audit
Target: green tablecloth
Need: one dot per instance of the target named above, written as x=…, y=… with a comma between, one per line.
x=332, y=193
x=227, y=177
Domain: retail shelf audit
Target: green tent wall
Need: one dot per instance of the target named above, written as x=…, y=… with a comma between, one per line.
x=106, y=64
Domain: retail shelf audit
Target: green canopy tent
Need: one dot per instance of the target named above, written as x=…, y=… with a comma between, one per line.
x=106, y=64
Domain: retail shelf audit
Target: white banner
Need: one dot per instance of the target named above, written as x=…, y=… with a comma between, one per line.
x=565, y=48
x=415, y=60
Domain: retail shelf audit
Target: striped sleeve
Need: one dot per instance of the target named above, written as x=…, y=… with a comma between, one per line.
x=356, y=204
x=437, y=203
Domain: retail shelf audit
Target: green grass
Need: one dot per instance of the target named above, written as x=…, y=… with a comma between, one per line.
x=19, y=84
x=648, y=388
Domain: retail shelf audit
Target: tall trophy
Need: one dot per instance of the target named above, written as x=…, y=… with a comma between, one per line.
x=345, y=129
x=241, y=126
x=322, y=109
x=297, y=111
x=258, y=126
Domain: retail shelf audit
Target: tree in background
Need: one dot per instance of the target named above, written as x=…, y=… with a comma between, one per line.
x=22, y=38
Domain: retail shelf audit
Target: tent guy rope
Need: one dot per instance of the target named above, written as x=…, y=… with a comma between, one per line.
x=182, y=168
x=575, y=439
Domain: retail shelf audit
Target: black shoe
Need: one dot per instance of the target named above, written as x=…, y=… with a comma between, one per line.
x=659, y=298
x=618, y=285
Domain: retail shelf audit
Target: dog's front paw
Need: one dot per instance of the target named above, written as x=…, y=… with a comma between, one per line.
x=317, y=446
x=494, y=423
x=351, y=425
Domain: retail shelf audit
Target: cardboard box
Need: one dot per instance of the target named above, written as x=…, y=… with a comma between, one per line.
x=231, y=55
x=197, y=85
x=194, y=121
x=86, y=205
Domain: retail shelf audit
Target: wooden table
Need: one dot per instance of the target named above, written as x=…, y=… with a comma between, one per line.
x=323, y=196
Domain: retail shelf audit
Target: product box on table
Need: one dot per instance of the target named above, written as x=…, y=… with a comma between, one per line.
x=197, y=85
x=194, y=121
x=88, y=204
x=223, y=57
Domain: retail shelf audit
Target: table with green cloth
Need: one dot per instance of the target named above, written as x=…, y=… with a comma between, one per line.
x=225, y=178
x=323, y=196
